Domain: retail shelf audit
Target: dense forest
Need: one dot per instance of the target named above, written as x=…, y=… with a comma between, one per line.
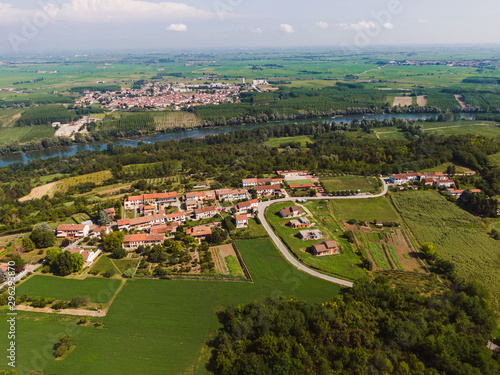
x=370, y=329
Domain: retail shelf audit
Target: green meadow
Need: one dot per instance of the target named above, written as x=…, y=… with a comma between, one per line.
x=158, y=326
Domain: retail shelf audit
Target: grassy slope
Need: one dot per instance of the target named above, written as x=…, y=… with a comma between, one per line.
x=25, y=134
x=160, y=326
x=348, y=183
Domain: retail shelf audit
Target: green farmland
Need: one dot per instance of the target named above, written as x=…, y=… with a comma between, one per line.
x=25, y=134
x=378, y=209
x=159, y=326
x=458, y=236
x=303, y=140
x=364, y=184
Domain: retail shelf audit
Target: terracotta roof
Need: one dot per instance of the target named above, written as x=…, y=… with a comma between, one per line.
x=290, y=210
x=175, y=214
x=204, y=209
x=121, y=222
x=70, y=227
x=241, y=217
x=294, y=186
x=198, y=231
x=143, y=237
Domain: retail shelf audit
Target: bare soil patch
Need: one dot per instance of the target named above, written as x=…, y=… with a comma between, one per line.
x=462, y=104
x=39, y=192
x=421, y=100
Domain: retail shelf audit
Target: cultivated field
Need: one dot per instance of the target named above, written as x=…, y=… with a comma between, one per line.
x=175, y=120
x=403, y=101
x=421, y=100
x=160, y=326
x=277, y=142
x=364, y=184
x=458, y=236
x=98, y=289
x=39, y=192
x=25, y=134
x=378, y=209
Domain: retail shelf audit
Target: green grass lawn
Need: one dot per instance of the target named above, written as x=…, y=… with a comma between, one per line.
x=253, y=230
x=277, y=142
x=103, y=264
x=344, y=265
x=349, y=183
x=125, y=264
x=495, y=159
x=379, y=209
x=160, y=326
x=99, y=290
x=26, y=133
x=442, y=168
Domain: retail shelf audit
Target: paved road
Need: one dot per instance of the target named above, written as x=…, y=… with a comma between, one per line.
x=284, y=251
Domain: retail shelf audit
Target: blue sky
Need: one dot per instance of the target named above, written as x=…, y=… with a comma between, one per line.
x=49, y=25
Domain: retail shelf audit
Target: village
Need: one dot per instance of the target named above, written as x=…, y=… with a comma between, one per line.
x=152, y=219
x=163, y=95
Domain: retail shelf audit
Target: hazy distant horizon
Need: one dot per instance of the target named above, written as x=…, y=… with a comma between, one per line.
x=84, y=25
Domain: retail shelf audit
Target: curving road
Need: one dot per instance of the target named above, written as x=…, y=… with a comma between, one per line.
x=284, y=251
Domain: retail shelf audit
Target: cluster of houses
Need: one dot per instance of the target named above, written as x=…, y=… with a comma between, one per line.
x=299, y=221
x=438, y=179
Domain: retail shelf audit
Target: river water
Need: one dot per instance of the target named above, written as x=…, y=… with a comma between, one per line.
x=195, y=133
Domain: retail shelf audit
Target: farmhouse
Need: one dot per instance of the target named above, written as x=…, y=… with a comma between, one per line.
x=146, y=210
x=123, y=224
x=231, y=195
x=301, y=222
x=266, y=190
x=4, y=269
x=88, y=256
x=176, y=217
x=457, y=193
x=292, y=211
x=309, y=235
x=241, y=221
x=133, y=241
x=97, y=232
x=292, y=173
x=110, y=212
x=192, y=199
x=205, y=213
x=249, y=182
x=246, y=207
x=72, y=230
x=147, y=221
x=404, y=178
x=163, y=228
x=325, y=248
x=445, y=183
x=133, y=202
x=200, y=233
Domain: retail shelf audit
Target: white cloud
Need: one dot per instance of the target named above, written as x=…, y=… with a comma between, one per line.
x=288, y=29
x=388, y=26
x=177, y=27
x=93, y=11
x=258, y=30
x=362, y=25
x=422, y=20
x=11, y=15
x=322, y=25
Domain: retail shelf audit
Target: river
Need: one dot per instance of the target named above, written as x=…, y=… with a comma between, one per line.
x=26, y=157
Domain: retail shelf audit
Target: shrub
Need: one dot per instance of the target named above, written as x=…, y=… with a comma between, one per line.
x=79, y=301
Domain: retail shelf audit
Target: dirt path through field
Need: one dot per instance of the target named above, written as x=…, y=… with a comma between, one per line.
x=11, y=120
x=39, y=192
x=462, y=104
